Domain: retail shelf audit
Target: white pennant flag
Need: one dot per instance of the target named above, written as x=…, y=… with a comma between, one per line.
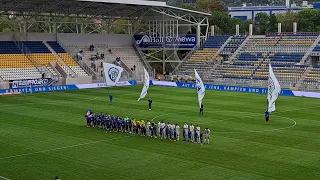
x=200, y=87
x=145, y=88
x=112, y=73
x=273, y=90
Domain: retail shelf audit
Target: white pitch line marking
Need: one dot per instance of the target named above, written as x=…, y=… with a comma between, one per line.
x=1, y=177
x=60, y=148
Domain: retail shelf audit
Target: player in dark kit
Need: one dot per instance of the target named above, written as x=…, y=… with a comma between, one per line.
x=201, y=110
x=110, y=98
x=267, y=115
x=150, y=103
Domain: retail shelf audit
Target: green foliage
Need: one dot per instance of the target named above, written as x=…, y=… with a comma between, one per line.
x=209, y=5
x=287, y=20
x=44, y=135
x=309, y=20
x=188, y=6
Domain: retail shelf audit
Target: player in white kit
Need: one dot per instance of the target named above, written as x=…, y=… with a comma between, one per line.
x=192, y=132
x=148, y=128
x=177, y=132
x=198, y=134
x=173, y=127
x=206, y=136
x=162, y=129
x=185, y=132
x=159, y=123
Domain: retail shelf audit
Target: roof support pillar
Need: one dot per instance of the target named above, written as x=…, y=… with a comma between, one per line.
x=198, y=34
x=82, y=29
x=295, y=27
x=54, y=28
x=23, y=27
x=212, y=30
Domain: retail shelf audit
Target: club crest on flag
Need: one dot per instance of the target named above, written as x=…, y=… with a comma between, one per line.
x=113, y=74
x=198, y=85
x=273, y=90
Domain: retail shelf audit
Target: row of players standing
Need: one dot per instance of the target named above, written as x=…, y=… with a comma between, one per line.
x=160, y=130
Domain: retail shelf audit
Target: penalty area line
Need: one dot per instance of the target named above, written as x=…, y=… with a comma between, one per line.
x=60, y=148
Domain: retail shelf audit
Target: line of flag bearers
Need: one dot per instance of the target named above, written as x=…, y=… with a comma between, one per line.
x=159, y=130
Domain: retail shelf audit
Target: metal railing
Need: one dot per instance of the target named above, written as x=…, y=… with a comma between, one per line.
x=142, y=57
x=41, y=68
x=82, y=64
x=190, y=53
x=60, y=59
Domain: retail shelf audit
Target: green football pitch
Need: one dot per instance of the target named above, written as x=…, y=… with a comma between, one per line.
x=44, y=135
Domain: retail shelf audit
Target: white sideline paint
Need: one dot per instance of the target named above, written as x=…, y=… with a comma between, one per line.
x=1, y=177
x=65, y=147
x=277, y=129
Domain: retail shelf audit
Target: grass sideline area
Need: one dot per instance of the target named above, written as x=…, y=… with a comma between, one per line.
x=44, y=135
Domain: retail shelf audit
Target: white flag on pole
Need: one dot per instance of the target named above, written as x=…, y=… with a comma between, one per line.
x=273, y=90
x=200, y=87
x=112, y=73
x=145, y=88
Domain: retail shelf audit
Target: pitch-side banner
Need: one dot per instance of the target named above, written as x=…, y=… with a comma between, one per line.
x=30, y=82
x=112, y=73
x=180, y=41
x=273, y=90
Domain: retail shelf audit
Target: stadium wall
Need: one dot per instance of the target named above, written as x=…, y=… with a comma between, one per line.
x=156, y=83
x=236, y=89
x=88, y=39
x=72, y=38
x=61, y=88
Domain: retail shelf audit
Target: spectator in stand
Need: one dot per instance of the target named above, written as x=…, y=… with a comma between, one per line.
x=134, y=67
x=110, y=51
x=186, y=78
x=101, y=64
x=101, y=73
x=43, y=75
x=80, y=55
x=102, y=56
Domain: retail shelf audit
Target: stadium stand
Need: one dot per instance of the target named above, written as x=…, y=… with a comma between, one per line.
x=127, y=54
x=69, y=61
x=205, y=57
x=14, y=64
x=208, y=51
x=284, y=52
x=130, y=58
x=233, y=44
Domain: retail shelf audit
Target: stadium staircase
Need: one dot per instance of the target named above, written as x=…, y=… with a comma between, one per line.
x=304, y=77
x=309, y=52
x=69, y=63
x=130, y=57
x=233, y=44
x=237, y=52
x=86, y=63
x=204, y=58
x=312, y=79
x=66, y=68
